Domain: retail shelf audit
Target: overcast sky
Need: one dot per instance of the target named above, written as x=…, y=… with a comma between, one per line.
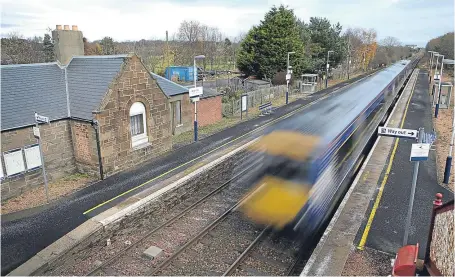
x=411, y=21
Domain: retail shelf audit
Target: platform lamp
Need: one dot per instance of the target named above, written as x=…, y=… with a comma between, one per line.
x=431, y=61
x=436, y=109
x=195, y=102
x=288, y=73
x=327, y=68
x=449, y=157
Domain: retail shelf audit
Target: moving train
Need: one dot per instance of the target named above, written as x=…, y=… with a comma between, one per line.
x=306, y=159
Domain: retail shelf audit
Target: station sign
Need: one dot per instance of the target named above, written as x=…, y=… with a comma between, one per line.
x=244, y=102
x=397, y=132
x=41, y=119
x=419, y=152
x=195, y=92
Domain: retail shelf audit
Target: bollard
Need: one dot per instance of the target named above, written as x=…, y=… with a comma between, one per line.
x=405, y=261
x=447, y=170
x=436, y=203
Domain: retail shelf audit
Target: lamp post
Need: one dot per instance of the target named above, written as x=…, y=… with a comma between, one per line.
x=436, y=110
x=195, y=102
x=449, y=157
x=431, y=61
x=327, y=68
x=288, y=78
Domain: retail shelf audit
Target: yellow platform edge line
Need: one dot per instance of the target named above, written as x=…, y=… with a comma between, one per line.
x=363, y=240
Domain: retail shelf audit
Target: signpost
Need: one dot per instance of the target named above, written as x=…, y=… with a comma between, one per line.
x=36, y=133
x=396, y=132
x=419, y=152
x=244, y=105
x=197, y=91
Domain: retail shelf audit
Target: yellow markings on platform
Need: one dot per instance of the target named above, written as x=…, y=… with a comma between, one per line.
x=363, y=240
x=365, y=176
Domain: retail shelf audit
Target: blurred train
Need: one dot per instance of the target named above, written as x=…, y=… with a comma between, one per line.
x=307, y=158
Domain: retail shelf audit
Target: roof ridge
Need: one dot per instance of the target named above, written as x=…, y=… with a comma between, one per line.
x=101, y=56
x=154, y=74
x=28, y=64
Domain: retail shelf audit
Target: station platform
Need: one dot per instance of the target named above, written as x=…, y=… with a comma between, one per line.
x=368, y=227
x=26, y=233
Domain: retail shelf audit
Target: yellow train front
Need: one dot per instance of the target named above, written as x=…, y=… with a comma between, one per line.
x=284, y=183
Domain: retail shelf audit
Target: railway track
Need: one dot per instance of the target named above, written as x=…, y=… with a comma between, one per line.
x=268, y=254
x=175, y=231
x=206, y=252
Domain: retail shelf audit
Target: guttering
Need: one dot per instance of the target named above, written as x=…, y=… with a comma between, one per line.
x=96, y=126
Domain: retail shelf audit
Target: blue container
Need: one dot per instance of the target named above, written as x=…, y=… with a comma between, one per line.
x=183, y=73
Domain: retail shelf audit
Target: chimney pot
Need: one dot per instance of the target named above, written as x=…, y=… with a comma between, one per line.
x=58, y=27
x=66, y=27
x=74, y=27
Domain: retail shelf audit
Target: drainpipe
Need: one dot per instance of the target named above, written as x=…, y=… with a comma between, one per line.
x=95, y=125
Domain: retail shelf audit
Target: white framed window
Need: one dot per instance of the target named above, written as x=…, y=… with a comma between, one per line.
x=14, y=162
x=138, y=124
x=32, y=156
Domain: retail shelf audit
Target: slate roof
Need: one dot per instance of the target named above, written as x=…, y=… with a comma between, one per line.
x=168, y=87
x=88, y=80
x=42, y=88
x=29, y=88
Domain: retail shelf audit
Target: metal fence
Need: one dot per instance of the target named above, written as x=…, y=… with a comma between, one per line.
x=256, y=98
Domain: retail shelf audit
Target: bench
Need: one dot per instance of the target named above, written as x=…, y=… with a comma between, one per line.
x=265, y=108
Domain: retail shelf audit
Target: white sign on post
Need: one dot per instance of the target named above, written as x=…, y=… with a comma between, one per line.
x=244, y=99
x=419, y=152
x=288, y=77
x=197, y=91
x=41, y=119
x=396, y=132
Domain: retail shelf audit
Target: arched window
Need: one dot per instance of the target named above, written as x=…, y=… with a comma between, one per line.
x=138, y=124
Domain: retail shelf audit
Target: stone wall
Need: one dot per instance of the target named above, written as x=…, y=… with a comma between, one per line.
x=57, y=150
x=133, y=84
x=209, y=110
x=85, y=148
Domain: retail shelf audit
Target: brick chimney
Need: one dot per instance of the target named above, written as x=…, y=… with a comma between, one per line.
x=67, y=43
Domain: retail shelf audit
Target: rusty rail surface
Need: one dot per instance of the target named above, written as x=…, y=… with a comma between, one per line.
x=440, y=252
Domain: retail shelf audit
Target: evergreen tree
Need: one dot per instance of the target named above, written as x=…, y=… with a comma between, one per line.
x=264, y=50
x=48, y=48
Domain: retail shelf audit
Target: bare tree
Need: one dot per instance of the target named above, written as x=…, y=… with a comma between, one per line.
x=16, y=49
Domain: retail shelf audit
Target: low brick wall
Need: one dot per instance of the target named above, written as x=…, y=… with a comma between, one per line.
x=94, y=232
x=209, y=110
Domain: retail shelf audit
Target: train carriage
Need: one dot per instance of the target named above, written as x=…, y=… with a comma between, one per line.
x=308, y=157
